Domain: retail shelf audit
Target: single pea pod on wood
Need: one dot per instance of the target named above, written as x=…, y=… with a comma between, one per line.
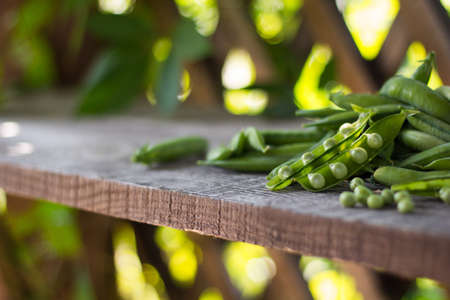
x=423, y=72
x=419, y=95
x=438, y=164
x=321, y=153
x=255, y=140
x=282, y=137
x=394, y=175
x=427, y=156
x=250, y=162
x=430, y=125
x=317, y=113
x=379, y=135
x=419, y=140
x=444, y=91
x=334, y=121
x=362, y=100
x=422, y=186
x=298, y=156
x=170, y=150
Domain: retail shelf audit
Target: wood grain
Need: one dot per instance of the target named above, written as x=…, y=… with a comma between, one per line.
x=85, y=164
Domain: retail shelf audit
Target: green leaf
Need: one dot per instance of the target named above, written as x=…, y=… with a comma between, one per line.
x=188, y=44
x=120, y=29
x=168, y=84
x=114, y=81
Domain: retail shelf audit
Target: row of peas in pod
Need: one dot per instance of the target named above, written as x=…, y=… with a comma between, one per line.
x=400, y=137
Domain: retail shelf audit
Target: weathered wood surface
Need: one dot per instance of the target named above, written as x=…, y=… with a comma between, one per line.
x=85, y=164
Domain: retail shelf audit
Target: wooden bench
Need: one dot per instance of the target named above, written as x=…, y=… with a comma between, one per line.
x=86, y=164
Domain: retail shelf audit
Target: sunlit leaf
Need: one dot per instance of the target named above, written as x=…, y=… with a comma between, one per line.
x=168, y=85
x=120, y=29
x=114, y=81
x=328, y=74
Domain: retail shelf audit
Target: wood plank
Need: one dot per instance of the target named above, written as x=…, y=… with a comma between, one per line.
x=85, y=164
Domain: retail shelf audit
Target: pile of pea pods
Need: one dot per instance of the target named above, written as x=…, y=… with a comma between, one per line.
x=399, y=137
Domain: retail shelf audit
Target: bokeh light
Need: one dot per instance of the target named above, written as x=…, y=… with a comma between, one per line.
x=9, y=129
x=369, y=22
x=414, y=55
x=307, y=93
x=185, y=86
x=161, y=49
x=238, y=70
x=446, y=5
x=204, y=13
x=3, y=203
x=246, y=102
x=276, y=20
x=116, y=6
x=210, y=294
x=249, y=266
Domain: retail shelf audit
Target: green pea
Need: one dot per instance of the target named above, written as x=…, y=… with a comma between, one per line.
x=359, y=155
x=285, y=172
x=419, y=95
x=444, y=194
x=339, y=170
x=375, y=202
x=218, y=153
x=405, y=206
x=307, y=157
x=347, y=199
x=356, y=182
x=170, y=150
x=316, y=180
x=388, y=196
x=329, y=143
x=374, y=140
x=402, y=195
x=361, y=194
x=346, y=128
x=419, y=140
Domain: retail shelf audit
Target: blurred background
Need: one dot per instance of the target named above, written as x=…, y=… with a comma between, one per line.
x=262, y=58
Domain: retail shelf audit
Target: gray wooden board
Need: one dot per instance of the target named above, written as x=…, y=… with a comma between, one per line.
x=86, y=164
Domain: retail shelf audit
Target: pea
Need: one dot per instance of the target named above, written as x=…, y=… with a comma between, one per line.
x=401, y=195
x=285, y=172
x=316, y=180
x=347, y=199
x=361, y=194
x=329, y=143
x=346, y=128
x=388, y=196
x=307, y=157
x=375, y=202
x=359, y=155
x=355, y=182
x=405, y=206
x=339, y=170
x=374, y=140
x=444, y=194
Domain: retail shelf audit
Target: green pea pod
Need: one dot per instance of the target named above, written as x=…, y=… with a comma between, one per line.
x=444, y=91
x=393, y=175
x=438, y=164
x=289, y=149
x=170, y=150
x=419, y=140
x=317, y=113
x=362, y=100
x=379, y=135
x=248, y=163
x=423, y=72
x=380, y=111
x=237, y=143
x=336, y=120
x=419, y=95
x=386, y=154
x=430, y=125
x=321, y=153
x=299, y=155
x=255, y=140
x=219, y=153
x=422, y=186
x=427, y=156
x=281, y=137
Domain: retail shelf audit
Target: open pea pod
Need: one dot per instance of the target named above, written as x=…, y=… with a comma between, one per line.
x=378, y=136
x=322, y=153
